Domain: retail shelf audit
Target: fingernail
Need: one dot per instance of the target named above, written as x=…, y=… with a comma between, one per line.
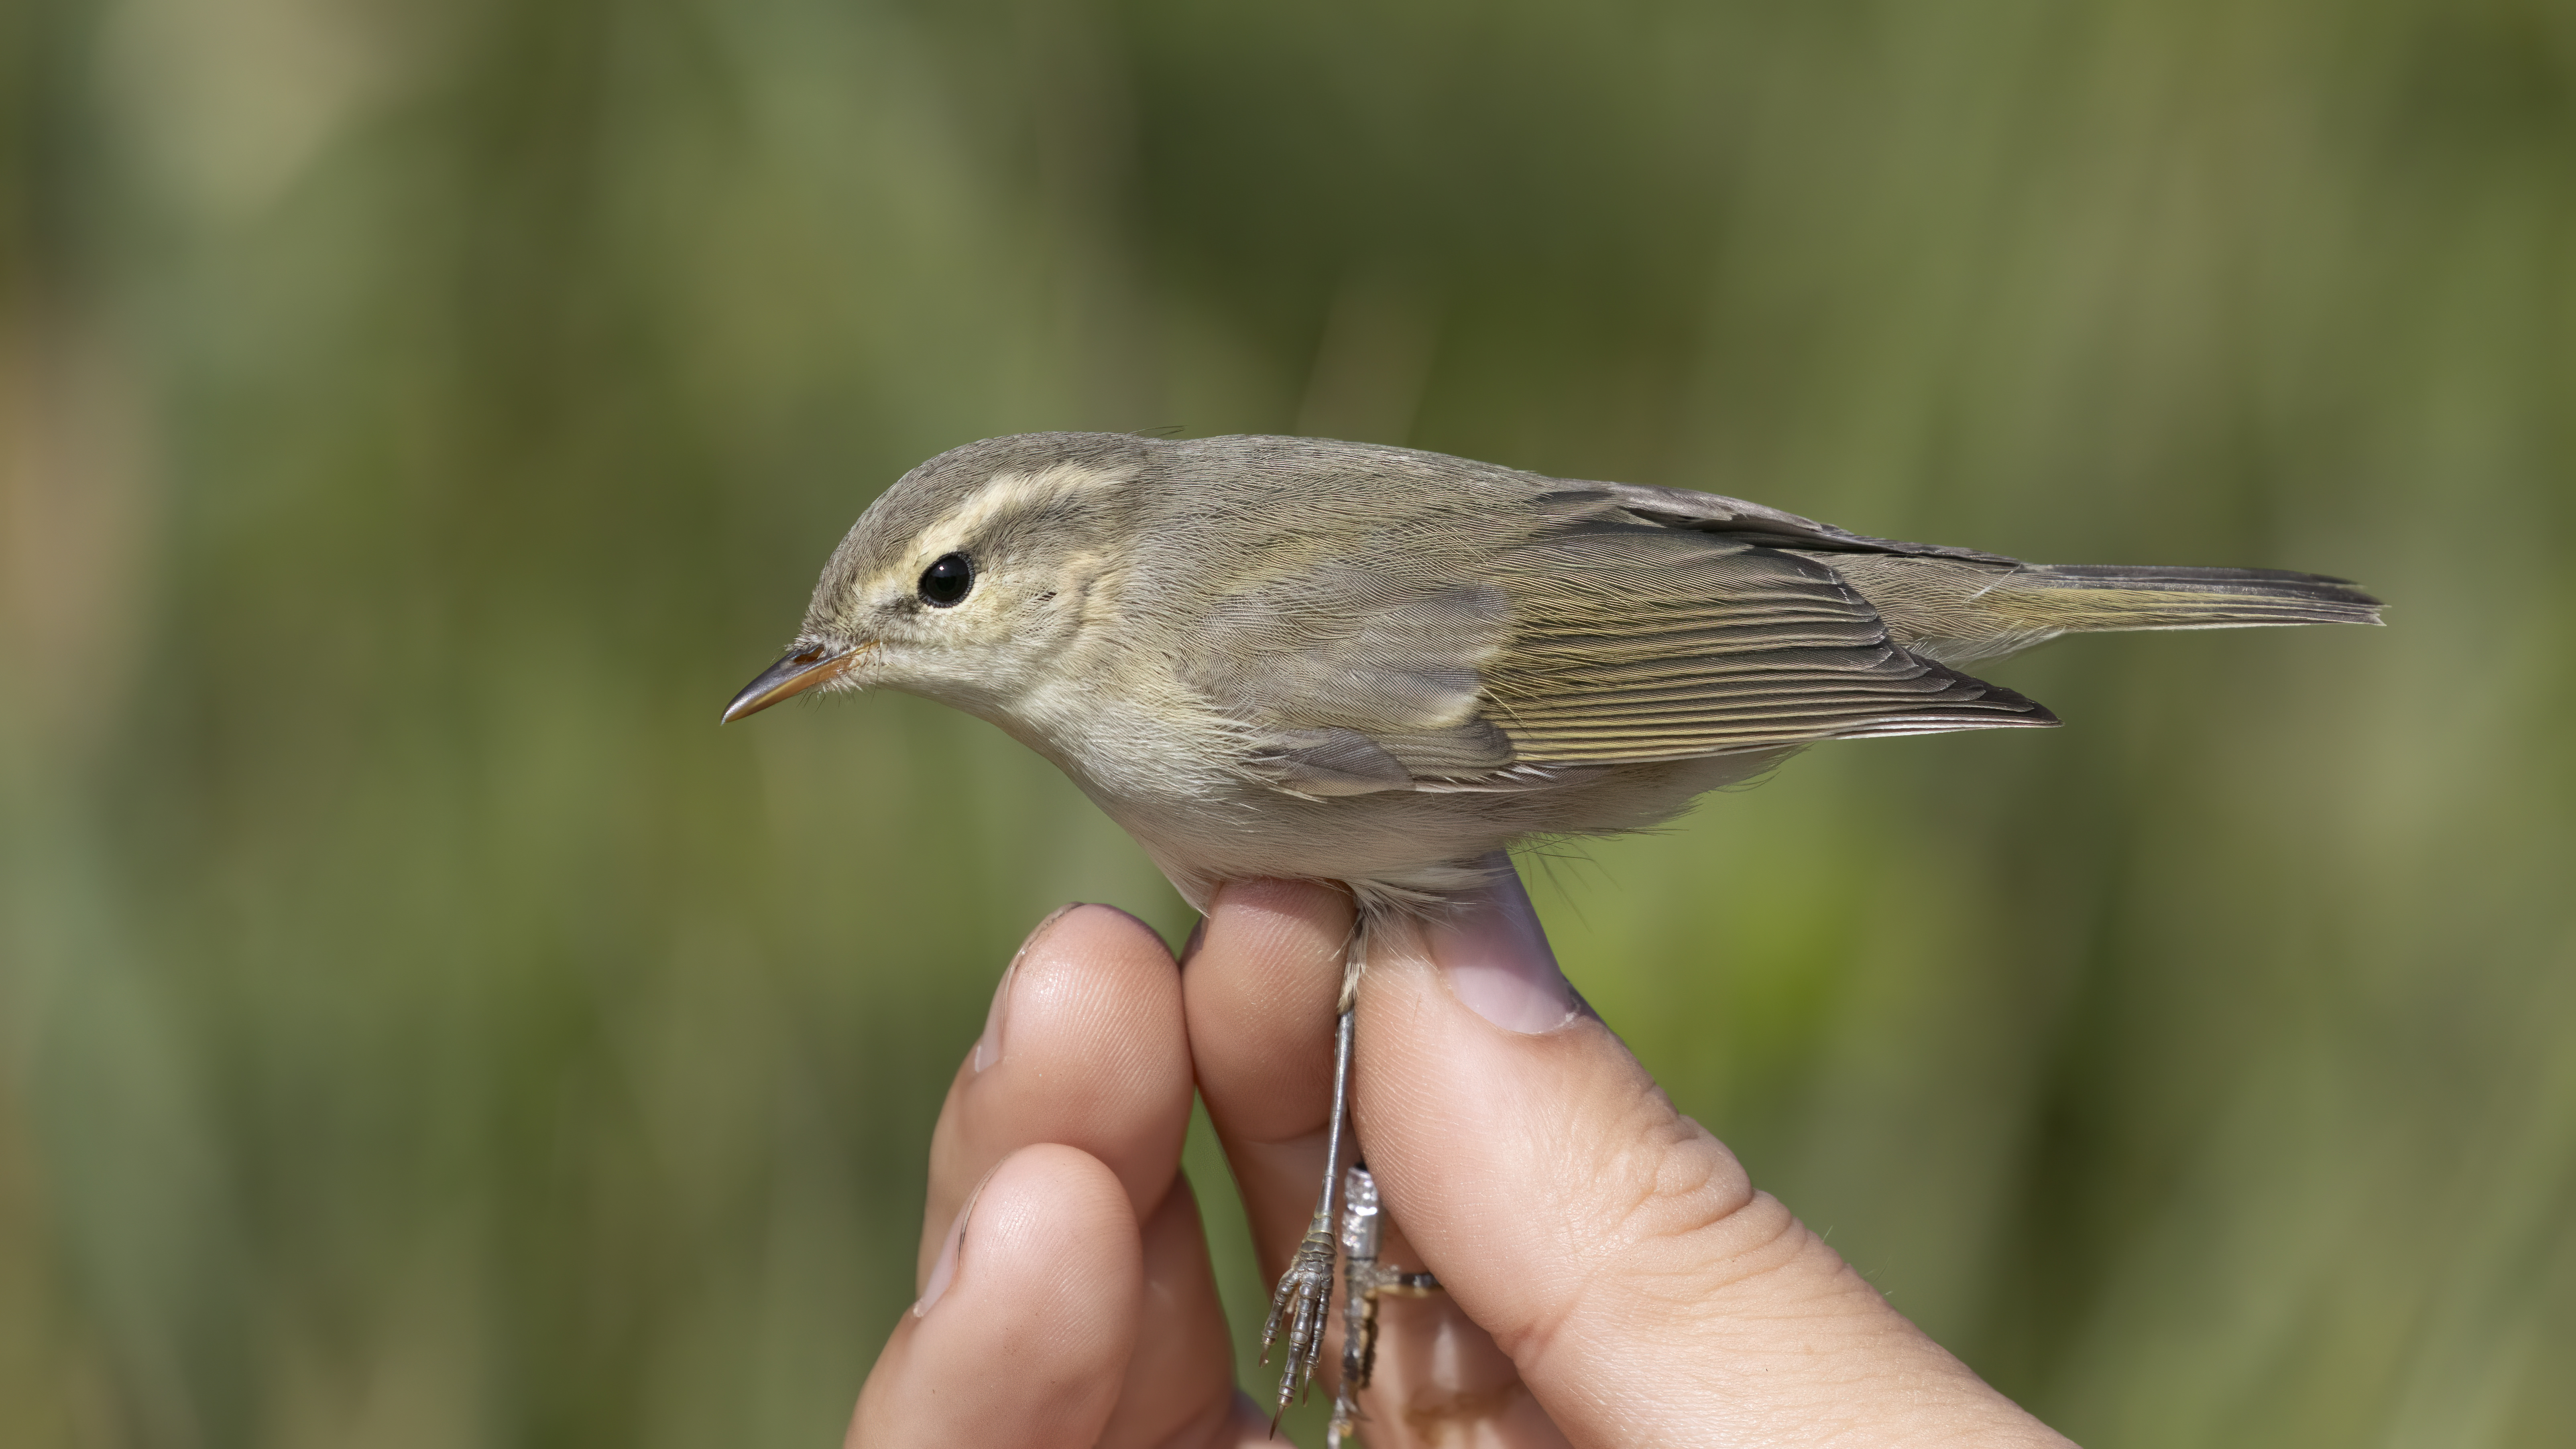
x=988, y=1047
x=943, y=1270
x=1498, y=961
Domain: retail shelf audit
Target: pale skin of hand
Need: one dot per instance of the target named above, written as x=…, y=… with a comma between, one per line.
x=1612, y=1275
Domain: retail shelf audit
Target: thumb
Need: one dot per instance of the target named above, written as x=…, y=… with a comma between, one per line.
x=1618, y=1252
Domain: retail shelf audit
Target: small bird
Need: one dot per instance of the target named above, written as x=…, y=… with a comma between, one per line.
x=1292, y=657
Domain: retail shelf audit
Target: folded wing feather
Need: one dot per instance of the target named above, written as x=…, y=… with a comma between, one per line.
x=1603, y=642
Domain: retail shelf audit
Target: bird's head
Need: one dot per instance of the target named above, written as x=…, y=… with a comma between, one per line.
x=969, y=579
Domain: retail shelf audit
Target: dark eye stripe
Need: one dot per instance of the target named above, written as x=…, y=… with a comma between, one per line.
x=947, y=581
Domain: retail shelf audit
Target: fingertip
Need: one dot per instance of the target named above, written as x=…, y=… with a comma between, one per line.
x=1054, y=1222
x=1277, y=918
x=1047, y=1276
x=1089, y=930
x=1085, y=1045
x=997, y=1016
x=1259, y=997
x=1103, y=984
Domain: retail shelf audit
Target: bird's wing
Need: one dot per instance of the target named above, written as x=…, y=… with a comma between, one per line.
x=1601, y=642
x=1689, y=509
x=1633, y=644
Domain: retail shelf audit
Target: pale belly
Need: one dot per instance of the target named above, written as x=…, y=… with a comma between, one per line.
x=1397, y=849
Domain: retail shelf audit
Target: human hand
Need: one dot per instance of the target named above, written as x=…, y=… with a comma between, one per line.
x=1612, y=1277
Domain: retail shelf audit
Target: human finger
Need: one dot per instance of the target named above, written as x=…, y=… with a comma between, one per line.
x=1260, y=990
x=1258, y=993
x=1613, y=1248
x=1179, y=1388
x=1041, y=1270
x=1084, y=1046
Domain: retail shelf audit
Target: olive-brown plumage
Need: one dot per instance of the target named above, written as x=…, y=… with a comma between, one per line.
x=1295, y=657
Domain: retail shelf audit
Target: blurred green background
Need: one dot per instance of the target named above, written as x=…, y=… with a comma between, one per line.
x=421, y=1026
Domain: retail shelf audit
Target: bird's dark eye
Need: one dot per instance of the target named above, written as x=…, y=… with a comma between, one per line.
x=947, y=580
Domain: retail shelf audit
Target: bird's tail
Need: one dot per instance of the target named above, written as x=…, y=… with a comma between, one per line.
x=2070, y=597
x=1955, y=611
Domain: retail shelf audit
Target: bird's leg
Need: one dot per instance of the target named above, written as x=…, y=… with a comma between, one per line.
x=1305, y=1291
x=1364, y=1281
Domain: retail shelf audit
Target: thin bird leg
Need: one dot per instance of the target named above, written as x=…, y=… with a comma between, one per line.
x=1305, y=1291
x=1364, y=1281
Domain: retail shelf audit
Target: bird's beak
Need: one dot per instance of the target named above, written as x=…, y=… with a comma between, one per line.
x=795, y=674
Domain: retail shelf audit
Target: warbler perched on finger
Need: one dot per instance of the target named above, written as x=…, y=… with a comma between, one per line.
x=1299, y=658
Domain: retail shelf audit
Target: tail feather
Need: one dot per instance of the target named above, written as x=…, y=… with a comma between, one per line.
x=2114, y=596
x=1957, y=610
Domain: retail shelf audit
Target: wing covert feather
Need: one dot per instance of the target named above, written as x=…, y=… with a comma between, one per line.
x=1355, y=680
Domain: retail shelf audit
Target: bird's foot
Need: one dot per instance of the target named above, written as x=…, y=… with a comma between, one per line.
x=1364, y=1281
x=1305, y=1292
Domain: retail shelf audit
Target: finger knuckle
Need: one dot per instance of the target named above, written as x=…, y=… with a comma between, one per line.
x=1673, y=1224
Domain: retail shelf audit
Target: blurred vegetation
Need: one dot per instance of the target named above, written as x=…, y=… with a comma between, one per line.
x=419, y=1025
